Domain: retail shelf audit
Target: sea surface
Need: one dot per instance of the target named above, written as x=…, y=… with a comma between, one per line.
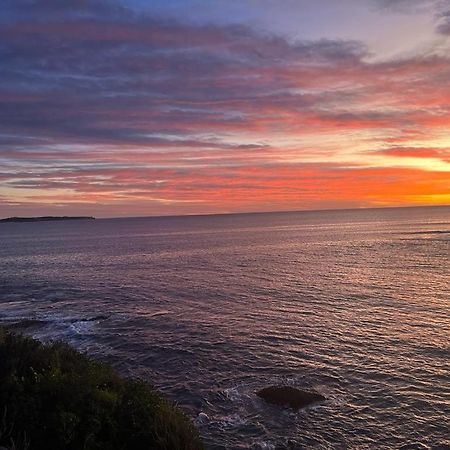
x=353, y=304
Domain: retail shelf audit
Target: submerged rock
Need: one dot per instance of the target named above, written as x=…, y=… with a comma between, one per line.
x=25, y=324
x=289, y=396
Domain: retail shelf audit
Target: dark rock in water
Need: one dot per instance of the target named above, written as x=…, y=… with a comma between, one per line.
x=26, y=324
x=289, y=396
x=97, y=318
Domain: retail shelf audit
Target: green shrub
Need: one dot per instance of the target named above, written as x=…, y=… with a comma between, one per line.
x=52, y=397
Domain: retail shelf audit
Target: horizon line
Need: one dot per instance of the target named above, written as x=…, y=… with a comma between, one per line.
x=365, y=208
x=275, y=211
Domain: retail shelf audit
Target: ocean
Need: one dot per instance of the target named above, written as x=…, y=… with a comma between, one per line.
x=354, y=304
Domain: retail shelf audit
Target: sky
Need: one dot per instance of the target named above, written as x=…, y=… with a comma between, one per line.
x=135, y=108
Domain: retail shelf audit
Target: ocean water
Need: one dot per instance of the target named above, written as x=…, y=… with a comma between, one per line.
x=353, y=304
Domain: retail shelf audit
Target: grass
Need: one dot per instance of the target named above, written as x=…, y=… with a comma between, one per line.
x=53, y=397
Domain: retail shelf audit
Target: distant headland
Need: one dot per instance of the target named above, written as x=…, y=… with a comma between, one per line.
x=46, y=218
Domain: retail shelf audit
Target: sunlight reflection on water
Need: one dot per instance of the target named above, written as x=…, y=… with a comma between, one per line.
x=354, y=304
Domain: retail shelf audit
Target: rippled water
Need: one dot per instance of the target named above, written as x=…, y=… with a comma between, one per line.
x=353, y=304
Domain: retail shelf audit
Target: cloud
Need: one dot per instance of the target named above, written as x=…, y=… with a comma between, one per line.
x=406, y=6
x=439, y=9
x=417, y=152
x=100, y=103
x=443, y=22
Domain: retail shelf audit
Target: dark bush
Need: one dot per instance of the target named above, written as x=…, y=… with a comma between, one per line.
x=52, y=397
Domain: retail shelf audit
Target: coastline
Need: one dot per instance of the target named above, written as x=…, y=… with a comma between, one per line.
x=54, y=397
x=44, y=219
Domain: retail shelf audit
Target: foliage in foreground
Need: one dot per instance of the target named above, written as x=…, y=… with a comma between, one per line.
x=52, y=397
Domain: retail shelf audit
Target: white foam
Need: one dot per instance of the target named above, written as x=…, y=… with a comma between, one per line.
x=235, y=420
x=83, y=326
x=232, y=394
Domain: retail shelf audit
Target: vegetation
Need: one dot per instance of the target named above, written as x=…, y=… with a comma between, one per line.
x=52, y=397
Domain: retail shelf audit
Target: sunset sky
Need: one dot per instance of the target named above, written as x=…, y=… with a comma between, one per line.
x=134, y=108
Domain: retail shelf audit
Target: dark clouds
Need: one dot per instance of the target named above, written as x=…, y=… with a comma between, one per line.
x=89, y=73
x=443, y=22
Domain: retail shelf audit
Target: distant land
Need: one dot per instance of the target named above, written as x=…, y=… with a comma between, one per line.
x=45, y=218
